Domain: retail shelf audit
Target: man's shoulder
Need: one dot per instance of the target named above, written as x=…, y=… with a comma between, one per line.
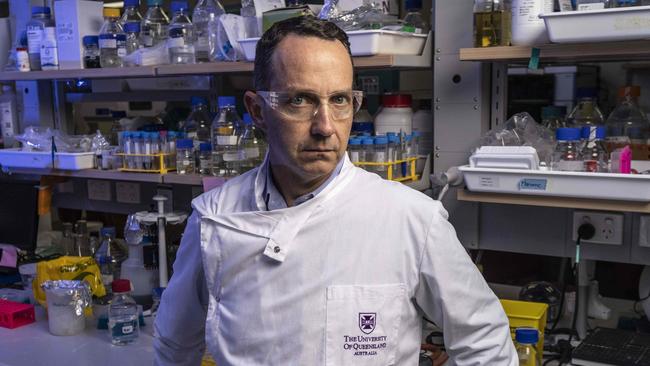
x=213, y=201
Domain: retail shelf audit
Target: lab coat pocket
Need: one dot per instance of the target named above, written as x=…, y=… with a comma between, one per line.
x=363, y=324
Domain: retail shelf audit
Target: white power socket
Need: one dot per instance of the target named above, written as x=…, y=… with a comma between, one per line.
x=609, y=227
x=644, y=231
x=127, y=192
x=99, y=190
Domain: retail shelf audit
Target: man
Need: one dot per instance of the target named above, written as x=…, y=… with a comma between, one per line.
x=308, y=260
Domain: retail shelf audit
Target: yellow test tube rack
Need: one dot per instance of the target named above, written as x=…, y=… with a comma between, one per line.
x=392, y=167
x=165, y=163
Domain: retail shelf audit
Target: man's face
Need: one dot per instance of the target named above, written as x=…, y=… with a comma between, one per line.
x=311, y=147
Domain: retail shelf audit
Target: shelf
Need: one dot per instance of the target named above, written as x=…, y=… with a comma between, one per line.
x=145, y=71
x=91, y=174
x=548, y=201
x=136, y=96
x=204, y=68
x=594, y=52
x=186, y=179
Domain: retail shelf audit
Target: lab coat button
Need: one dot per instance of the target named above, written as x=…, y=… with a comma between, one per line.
x=276, y=249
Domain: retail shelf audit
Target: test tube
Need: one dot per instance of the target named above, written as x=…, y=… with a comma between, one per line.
x=393, y=148
x=366, y=153
x=415, y=143
x=171, y=145
x=137, y=148
x=380, y=152
x=155, y=150
x=147, y=150
x=354, y=146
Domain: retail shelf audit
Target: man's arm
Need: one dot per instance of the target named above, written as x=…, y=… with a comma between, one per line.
x=179, y=328
x=453, y=294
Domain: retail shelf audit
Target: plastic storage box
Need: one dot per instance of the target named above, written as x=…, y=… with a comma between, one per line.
x=248, y=45
x=526, y=314
x=381, y=42
x=16, y=158
x=614, y=24
x=15, y=314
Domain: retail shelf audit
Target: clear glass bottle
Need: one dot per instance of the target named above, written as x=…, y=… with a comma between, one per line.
x=184, y=156
x=123, y=323
x=67, y=241
x=109, y=247
x=553, y=117
x=363, y=121
x=49, y=51
x=492, y=23
x=206, y=11
x=41, y=18
x=112, y=40
x=253, y=144
x=131, y=12
x=413, y=21
x=354, y=146
x=91, y=52
x=154, y=25
x=380, y=153
x=594, y=153
x=81, y=239
x=132, y=30
x=181, y=35
x=197, y=124
x=226, y=131
x=247, y=12
x=525, y=341
x=205, y=158
x=586, y=111
x=627, y=122
x=567, y=151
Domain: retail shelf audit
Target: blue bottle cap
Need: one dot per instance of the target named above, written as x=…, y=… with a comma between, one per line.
x=354, y=141
x=367, y=141
x=109, y=230
x=155, y=2
x=178, y=6
x=132, y=27
x=226, y=101
x=41, y=10
x=247, y=119
x=184, y=144
x=381, y=140
x=118, y=114
x=601, y=132
x=154, y=135
x=90, y=40
x=393, y=139
x=126, y=134
x=567, y=134
x=171, y=135
x=389, y=134
x=205, y=146
x=526, y=335
x=131, y=3
x=194, y=101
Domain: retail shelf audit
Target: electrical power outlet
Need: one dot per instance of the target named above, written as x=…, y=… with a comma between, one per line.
x=609, y=227
x=99, y=190
x=644, y=231
x=126, y=192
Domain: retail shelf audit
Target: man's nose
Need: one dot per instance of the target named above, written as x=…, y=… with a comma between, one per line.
x=322, y=123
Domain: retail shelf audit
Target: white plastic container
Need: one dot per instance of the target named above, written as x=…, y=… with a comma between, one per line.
x=527, y=27
x=16, y=158
x=248, y=45
x=396, y=115
x=505, y=157
x=375, y=42
x=423, y=123
x=614, y=24
x=74, y=20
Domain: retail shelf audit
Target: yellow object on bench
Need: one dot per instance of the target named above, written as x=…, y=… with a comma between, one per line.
x=526, y=314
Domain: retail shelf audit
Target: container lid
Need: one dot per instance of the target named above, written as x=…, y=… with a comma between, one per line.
x=118, y=114
x=601, y=132
x=354, y=141
x=413, y=4
x=551, y=111
x=367, y=141
x=184, y=144
x=396, y=100
x=178, y=6
x=393, y=138
x=568, y=134
x=154, y=135
x=247, y=119
x=629, y=91
x=586, y=93
x=381, y=140
x=111, y=13
x=226, y=101
x=126, y=134
x=155, y=2
x=526, y=335
x=132, y=27
x=90, y=40
x=131, y=3
x=41, y=10
x=121, y=285
x=389, y=134
x=194, y=101
x=205, y=146
x=109, y=230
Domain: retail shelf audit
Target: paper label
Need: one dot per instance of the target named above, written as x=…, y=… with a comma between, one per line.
x=226, y=140
x=231, y=156
x=252, y=152
x=65, y=32
x=107, y=43
x=528, y=184
x=488, y=182
x=528, y=11
x=34, y=37
x=595, y=6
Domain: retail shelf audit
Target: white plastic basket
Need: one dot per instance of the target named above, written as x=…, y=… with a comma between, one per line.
x=16, y=158
x=382, y=42
x=623, y=187
x=248, y=45
x=615, y=24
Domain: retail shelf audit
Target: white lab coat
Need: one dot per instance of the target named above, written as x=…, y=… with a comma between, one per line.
x=342, y=279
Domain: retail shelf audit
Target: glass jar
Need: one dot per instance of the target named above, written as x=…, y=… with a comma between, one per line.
x=205, y=158
x=184, y=156
x=91, y=52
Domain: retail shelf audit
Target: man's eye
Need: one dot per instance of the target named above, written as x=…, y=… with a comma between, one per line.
x=340, y=100
x=296, y=100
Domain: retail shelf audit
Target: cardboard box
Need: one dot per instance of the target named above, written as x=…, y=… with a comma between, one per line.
x=74, y=20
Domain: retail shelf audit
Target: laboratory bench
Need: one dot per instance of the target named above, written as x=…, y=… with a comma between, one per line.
x=33, y=345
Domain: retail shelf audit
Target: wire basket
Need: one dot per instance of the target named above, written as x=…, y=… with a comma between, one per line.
x=148, y=163
x=400, y=170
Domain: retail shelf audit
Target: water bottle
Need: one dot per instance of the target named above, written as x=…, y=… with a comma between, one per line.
x=197, y=124
x=526, y=339
x=154, y=25
x=594, y=154
x=41, y=18
x=131, y=12
x=567, y=155
x=253, y=145
x=226, y=130
x=123, y=323
x=112, y=40
x=181, y=35
x=132, y=31
x=206, y=11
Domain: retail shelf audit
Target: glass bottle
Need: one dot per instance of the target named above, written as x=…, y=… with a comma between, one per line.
x=131, y=12
x=253, y=144
x=41, y=18
x=492, y=23
x=154, y=25
x=566, y=156
x=49, y=50
x=586, y=111
x=91, y=52
x=184, y=156
x=197, y=124
x=525, y=341
x=112, y=40
x=413, y=21
x=123, y=323
x=205, y=158
x=226, y=131
x=206, y=11
x=132, y=30
x=111, y=248
x=627, y=123
x=594, y=153
x=247, y=12
x=181, y=35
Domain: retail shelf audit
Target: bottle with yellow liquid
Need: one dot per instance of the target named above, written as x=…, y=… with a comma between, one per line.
x=492, y=23
x=526, y=339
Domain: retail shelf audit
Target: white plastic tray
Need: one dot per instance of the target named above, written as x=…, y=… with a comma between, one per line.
x=248, y=45
x=614, y=24
x=382, y=42
x=623, y=187
x=16, y=158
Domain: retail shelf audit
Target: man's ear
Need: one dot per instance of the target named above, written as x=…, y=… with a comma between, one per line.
x=252, y=103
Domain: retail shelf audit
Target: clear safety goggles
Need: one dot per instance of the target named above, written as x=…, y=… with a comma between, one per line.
x=303, y=106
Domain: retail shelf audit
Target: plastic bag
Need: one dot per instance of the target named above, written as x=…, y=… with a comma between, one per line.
x=41, y=138
x=522, y=130
x=368, y=16
x=149, y=56
x=68, y=268
x=224, y=35
x=100, y=142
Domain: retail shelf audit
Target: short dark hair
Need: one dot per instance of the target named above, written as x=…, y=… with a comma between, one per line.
x=308, y=26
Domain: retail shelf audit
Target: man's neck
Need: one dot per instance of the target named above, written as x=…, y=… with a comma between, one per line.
x=291, y=186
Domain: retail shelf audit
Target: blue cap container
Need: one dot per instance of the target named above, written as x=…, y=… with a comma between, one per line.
x=109, y=230
x=226, y=101
x=601, y=132
x=194, y=101
x=381, y=140
x=178, y=6
x=91, y=40
x=354, y=141
x=132, y=27
x=41, y=10
x=205, y=146
x=247, y=119
x=184, y=144
x=367, y=141
x=131, y=3
x=526, y=335
x=567, y=134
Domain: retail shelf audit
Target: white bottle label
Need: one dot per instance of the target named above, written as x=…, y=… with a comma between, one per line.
x=226, y=140
x=175, y=42
x=528, y=11
x=202, y=43
x=34, y=37
x=595, y=6
x=251, y=152
x=380, y=156
x=127, y=329
x=121, y=52
x=22, y=61
x=49, y=57
x=108, y=43
x=231, y=156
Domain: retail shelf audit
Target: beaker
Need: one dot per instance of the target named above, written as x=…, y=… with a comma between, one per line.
x=66, y=301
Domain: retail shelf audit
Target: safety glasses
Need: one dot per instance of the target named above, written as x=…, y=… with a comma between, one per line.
x=303, y=105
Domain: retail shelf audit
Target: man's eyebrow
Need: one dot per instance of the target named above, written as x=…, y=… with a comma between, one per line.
x=313, y=92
